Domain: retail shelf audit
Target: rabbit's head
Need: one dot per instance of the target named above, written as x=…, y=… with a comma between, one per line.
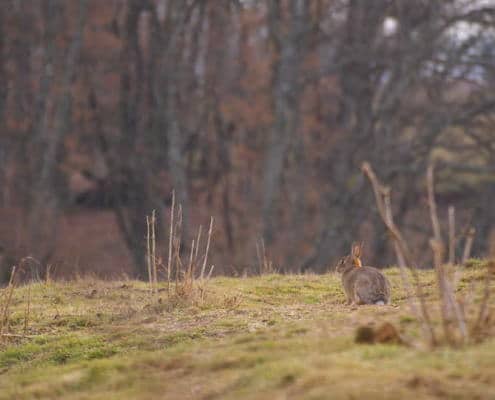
x=351, y=261
x=344, y=264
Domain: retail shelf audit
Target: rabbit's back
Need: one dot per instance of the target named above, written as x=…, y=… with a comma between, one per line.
x=366, y=285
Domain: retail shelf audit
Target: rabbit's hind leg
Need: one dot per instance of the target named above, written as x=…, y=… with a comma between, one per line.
x=357, y=298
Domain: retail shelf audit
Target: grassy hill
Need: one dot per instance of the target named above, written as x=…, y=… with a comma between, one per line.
x=269, y=337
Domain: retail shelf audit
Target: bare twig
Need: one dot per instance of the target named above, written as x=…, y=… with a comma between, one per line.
x=266, y=265
x=449, y=303
x=452, y=235
x=468, y=245
x=483, y=309
x=436, y=242
x=177, y=246
x=151, y=259
x=189, y=276
x=205, y=259
x=467, y=251
x=8, y=299
x=209, y=273
x=170, y=242
x=436, y=247
x=153, y=252
x=28, y=308
x=380, y=192
x=388, y=213
x=185, y=269
x=404, y=255
x=48, y=278
x=198, y=241
x=260, y=261
x=459, y=315
x=148, y=252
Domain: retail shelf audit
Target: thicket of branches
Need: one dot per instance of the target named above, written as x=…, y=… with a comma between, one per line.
x=259, y=113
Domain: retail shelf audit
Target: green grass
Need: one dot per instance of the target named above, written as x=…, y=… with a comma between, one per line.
x=270, y=337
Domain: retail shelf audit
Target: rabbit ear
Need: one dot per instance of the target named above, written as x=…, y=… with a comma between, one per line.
x=356, y=249
x=356, y=254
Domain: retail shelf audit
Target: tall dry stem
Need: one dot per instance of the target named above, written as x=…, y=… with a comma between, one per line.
x=170, y=242
x=468, y=245
x=153, y=252
x=177, y=247
x=205, y=259
x=452, y=239
x=403, y=255
x=148, y=253
x=198, y=241
x=28, y=309
x=449, y=304
x=265, y=265
x=465, y=256
x=48, y=278
x=483, y=309
x=8, y=299
x=184, y=270
x=151, y=258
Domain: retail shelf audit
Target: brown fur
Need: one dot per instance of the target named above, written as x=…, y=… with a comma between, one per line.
x=363, y=285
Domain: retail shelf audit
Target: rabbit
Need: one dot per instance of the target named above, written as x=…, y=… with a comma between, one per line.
x=362, y=285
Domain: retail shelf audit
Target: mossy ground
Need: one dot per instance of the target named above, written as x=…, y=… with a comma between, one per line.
x=269, y=337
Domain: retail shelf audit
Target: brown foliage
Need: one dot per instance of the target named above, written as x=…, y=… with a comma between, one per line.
x=258, y=113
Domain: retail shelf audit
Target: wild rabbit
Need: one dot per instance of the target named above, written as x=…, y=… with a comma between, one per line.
x=362, y=285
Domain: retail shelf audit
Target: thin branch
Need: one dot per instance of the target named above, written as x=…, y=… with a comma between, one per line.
x=8, y=299
x=468, y=245
x=148, y=251
x=170, y=242
x=449, y=303
x=153, y=252
x=384, y=209
x=433, y=205
x=28, y=309
x=205, y=259
x=490, y=270
x=198, y=241
x=452, y=235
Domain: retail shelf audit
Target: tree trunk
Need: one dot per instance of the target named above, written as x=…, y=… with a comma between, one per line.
x=44, y=210
x=286, y=98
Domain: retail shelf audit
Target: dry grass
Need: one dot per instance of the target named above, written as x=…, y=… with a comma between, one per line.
x=192, y=274
x=274, y=336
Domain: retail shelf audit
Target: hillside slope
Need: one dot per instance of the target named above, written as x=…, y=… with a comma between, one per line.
x=269, y=337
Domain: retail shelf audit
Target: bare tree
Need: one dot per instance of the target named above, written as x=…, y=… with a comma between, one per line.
x=288, y=38
x=259, y=113
x=49, y=134
x=395, y=105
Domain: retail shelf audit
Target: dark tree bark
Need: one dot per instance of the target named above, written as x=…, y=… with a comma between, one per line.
x=286, y=92
x=130, y=170
x=44, y=208
x=4, y=145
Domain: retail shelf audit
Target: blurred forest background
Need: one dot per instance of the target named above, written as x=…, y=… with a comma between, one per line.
x=258, y=113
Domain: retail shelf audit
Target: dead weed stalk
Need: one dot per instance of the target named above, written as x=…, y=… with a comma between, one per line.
x=457, y=330
x=187, y=276
x=265, y=264
x=5, y=309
